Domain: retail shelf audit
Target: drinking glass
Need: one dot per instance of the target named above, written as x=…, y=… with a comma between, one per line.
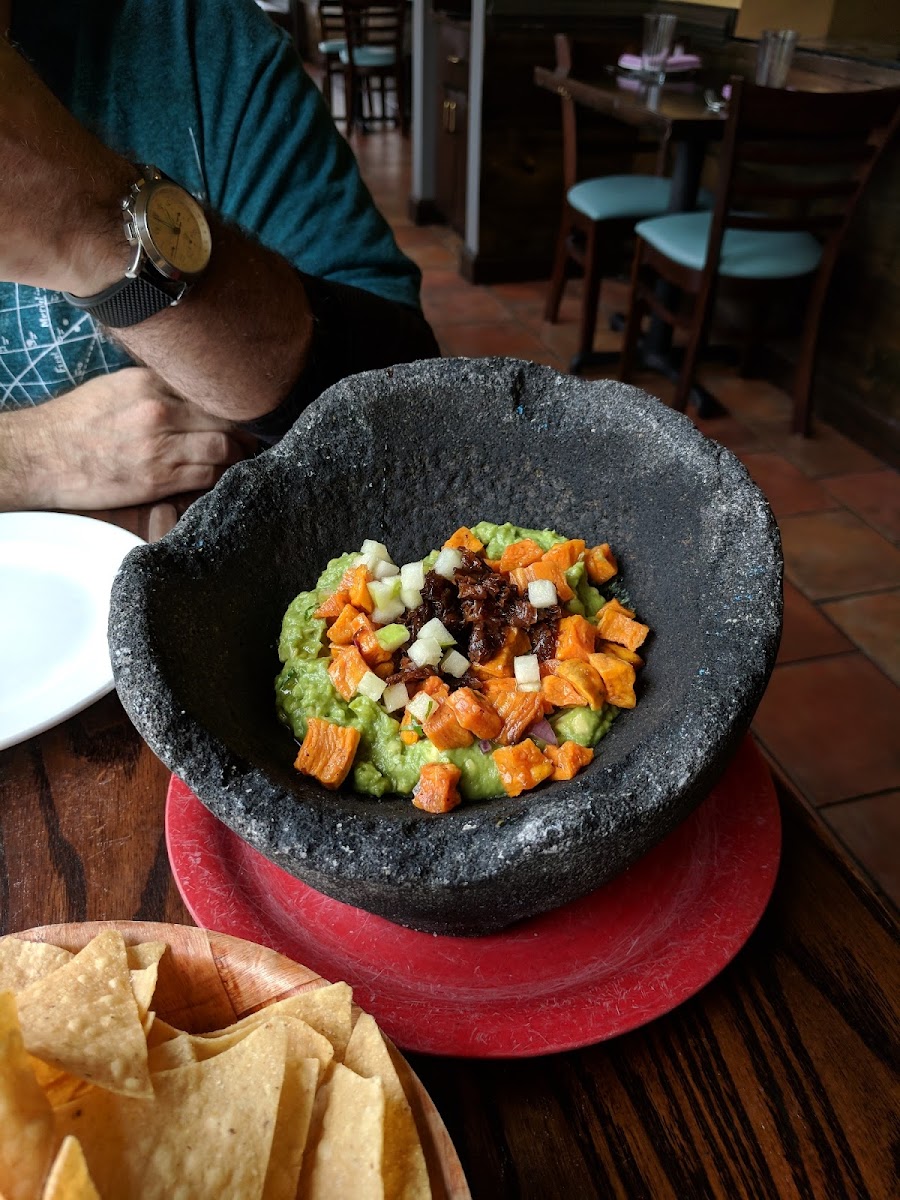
x=659, y=33
x=773, y=56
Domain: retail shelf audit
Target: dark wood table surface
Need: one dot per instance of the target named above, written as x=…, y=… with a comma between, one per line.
x=779, y=1079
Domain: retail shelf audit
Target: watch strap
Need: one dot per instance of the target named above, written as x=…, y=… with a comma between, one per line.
x=128, y=301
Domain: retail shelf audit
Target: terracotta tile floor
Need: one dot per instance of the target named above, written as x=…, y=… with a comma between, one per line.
x=830, y=719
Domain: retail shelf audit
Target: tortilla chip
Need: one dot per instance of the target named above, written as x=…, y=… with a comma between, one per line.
x=405, y=1172
x=346, y=1161
x=69, y=1178
x=207, y=1132
x=144, y=954
x=22, y=962
x=161, y=1031
x=84, y=1019
x=27, y=1135
x=298, y=1095
x=303, y=1042
x=326, y=1009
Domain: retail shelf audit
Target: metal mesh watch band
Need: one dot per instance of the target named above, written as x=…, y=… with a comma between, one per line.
x=128, y=302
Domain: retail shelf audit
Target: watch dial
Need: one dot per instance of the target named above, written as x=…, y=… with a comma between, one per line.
x=178, y=228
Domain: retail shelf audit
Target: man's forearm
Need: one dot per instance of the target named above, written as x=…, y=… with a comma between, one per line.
x=240, y=340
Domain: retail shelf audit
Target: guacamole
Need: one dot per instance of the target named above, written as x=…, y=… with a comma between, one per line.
x=384, y=762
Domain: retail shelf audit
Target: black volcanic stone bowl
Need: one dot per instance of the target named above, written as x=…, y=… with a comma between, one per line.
x=405, y=456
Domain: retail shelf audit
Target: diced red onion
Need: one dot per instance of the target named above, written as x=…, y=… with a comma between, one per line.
x=485, y=746
x=544, y=730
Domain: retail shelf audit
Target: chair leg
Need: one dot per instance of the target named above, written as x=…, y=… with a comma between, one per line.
x=402, y=110
x=326, y=86
x=558, y=278
x=801, y=420
x=699, y=326
x=589, y=302
x=636, y=309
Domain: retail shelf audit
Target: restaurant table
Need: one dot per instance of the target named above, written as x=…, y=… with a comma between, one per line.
x=778, y=1079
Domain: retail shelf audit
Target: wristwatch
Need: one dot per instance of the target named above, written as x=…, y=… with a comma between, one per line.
x=172, y=244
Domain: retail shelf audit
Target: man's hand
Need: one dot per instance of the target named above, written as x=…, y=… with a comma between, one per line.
x=116, y=440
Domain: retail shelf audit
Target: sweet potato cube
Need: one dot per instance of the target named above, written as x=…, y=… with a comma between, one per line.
x=559, y=693
x=344, y=627
x=542, y=570
x=575, y=638
x=463, y=539
x=327, y=751
x=565, y=554
x=436, y=790
x=568, y=759
x=409, y=737
x=384, y=669
x=331, y=606
x=614, y=626
x=434, y=686
x=519, y=711
x=367, y=643
x=586, y=680
x=520, y=554
x=616, y=605
x=618, y=679
x=600, y=563
x=622, y=652
x=346, y=670
x=444, y=731
x=494, y=688
x=475, y=713
x=521, y=767
x=356, y=581
x=498, y=667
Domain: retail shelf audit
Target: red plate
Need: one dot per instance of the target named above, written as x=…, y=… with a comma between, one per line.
x=591, y=970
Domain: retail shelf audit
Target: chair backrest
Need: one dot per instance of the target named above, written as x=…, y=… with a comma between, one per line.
x=563, y=46
x=375, y=24
x=798, y=161
x=331, y=20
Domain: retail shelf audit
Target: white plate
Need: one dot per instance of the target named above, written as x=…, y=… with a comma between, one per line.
x=56, y=572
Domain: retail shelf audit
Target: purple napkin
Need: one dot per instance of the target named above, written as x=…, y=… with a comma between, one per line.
x=674, y=63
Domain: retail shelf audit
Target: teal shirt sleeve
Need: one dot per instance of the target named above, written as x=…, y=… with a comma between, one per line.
x=213, y=93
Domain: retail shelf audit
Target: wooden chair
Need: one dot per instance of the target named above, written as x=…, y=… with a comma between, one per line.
x=792, y=168
x=596, y=213
x=375, y=56
x=332, y=42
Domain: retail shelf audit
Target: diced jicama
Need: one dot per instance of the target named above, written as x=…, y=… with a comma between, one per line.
x=376, y=549
x=421, y=707
x=396, y=696
x=392, y=637
x=527, y=671
x=448, y=563
x=371, y=686
x=455, y=664
x=385, y=570
x=426, y=652
x=384, y=590
x=435, y=628
x=410, y=597
x=413, y=575
x=541, y=593
x=390, y=612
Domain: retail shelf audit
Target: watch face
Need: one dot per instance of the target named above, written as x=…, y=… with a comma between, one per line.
x=179, y=230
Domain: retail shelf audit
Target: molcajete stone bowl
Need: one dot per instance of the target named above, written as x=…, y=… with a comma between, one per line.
x=406, y=456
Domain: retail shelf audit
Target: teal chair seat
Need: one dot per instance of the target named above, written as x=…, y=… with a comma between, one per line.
x=370, y=56
x=332, y=46
x=746, y=253
x=618, y=197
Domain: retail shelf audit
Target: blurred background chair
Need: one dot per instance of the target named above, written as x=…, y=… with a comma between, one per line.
x=289, y=15
x=598, y=216
x=375, y=62
x=332, y=43
x=792, y=168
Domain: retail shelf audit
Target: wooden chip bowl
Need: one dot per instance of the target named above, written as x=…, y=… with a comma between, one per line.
x=209, y=980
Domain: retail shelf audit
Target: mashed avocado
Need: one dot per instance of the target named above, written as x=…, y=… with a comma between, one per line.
x=383, y=763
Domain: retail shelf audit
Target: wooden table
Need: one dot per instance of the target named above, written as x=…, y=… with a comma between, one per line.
x=774, y=1081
